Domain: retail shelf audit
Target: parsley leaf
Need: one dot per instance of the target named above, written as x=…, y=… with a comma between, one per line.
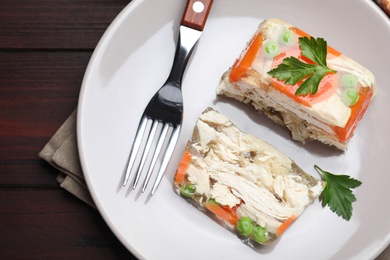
x=337, y=193
x=292, y=70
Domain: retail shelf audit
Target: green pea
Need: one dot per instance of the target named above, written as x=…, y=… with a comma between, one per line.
x=259, y=234
x=348, y=81
x=244, y=226
x=271, y=49
x=350, y=97
x=188, y=190
x=287, y=38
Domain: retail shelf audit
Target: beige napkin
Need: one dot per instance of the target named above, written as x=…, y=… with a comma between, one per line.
x=61, y=152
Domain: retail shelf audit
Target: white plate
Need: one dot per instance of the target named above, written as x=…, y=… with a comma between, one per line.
x=131, y=62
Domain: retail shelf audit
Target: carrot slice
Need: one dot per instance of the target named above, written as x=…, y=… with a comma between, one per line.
x=330, y=50
x=334, y=52
x=242, y=65
x=224, y=212
x=231, y=211
x=285, y=225
x=357, y=112
x=183, y=166
x=300, y=32
x=328, y=85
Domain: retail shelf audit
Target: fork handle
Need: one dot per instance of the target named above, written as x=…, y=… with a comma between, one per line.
x=196, y=13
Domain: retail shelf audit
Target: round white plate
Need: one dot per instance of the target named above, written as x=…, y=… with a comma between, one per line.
x=133, y=60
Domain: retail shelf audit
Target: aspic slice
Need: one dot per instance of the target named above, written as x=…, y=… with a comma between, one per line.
x=249, y=184
x=271, y=74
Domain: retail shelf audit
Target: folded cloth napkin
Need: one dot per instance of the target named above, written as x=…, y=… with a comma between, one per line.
x=61, y=152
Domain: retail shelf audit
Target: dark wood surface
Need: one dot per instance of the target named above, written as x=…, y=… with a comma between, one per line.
x=45, y=46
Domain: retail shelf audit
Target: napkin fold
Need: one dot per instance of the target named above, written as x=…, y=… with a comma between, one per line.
x=62, y=153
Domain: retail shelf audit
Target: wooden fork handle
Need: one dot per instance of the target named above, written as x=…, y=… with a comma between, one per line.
x=196, y=13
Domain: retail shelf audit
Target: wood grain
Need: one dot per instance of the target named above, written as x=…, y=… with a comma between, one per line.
x=50, y=224
x=38, y=91
x=58, y=24
x=45, y=47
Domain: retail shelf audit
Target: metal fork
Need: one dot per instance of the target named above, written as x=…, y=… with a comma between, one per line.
x=163, y=115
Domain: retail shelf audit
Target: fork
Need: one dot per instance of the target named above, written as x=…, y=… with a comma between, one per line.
x=163, y=116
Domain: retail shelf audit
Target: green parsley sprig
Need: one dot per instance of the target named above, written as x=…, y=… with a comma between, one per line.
x=337, y=193
x=293, y=70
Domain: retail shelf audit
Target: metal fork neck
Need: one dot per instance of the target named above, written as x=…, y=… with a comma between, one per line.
x=186, y=42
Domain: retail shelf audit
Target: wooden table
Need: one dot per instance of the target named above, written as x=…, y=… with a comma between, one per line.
x=45, y=46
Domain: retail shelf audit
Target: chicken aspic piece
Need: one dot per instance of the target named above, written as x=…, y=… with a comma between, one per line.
x=254, y=188
x=300, y=82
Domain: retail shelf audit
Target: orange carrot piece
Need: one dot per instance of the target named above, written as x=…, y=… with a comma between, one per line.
x=357, y=112
x=300, y=32
x=183, y=166
x=242, y=65
x=329, y=49
x=335, y=52
x=285, y=225
x=231, y=211
x=328, y=85
x=224, y=212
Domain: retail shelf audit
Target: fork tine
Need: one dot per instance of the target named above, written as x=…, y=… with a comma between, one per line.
x=167, y=156
x=134, y=149
x=160, y=143
x=145, y=153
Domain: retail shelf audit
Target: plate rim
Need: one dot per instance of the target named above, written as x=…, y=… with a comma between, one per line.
x=105, y=39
